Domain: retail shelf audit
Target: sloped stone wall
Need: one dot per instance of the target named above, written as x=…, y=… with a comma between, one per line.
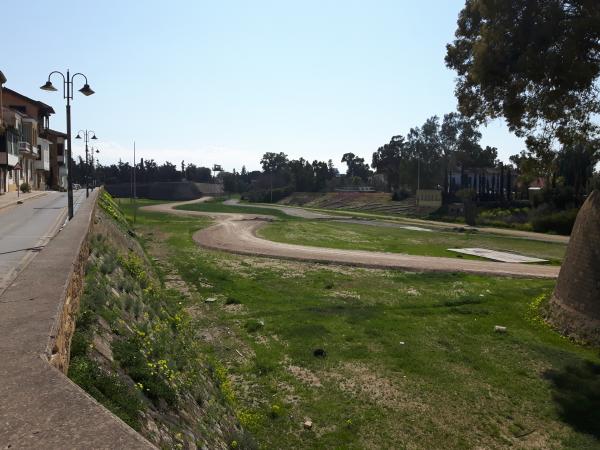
x=39, y=406
x=575, y=305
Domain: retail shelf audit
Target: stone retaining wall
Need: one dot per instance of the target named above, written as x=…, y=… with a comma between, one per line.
x=39, y=406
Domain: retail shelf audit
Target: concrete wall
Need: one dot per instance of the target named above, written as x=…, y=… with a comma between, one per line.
x=431, y=198
x=175, y=191
x=39, y=406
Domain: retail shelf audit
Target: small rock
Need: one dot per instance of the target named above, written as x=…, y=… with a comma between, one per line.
x=308, y=424
x=19, y=202
x=401, y=342
x=499, y=329
x=210, y=300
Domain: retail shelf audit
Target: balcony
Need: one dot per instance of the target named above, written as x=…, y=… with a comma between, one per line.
x=42, y=164
x=25, y=148
x=10, y=118
x=43, y=161
x=8, y=159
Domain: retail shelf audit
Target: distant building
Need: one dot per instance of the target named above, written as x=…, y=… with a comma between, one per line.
x=488, y=183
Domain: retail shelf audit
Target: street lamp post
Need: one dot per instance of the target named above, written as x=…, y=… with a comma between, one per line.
x=68, y=96
x=86, y=137
x=96, y=181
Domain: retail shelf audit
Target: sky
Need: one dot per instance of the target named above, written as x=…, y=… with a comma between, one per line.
x=222, y=82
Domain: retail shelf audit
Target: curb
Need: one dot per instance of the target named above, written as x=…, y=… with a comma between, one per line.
x=31, y=197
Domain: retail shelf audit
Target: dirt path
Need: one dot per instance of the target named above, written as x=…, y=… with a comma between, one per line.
x=236, y=233
x=380, y=220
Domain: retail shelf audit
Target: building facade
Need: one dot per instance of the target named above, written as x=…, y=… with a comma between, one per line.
x=30, y=152
x=10, y=136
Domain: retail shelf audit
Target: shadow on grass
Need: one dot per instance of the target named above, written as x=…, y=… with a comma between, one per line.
x=576, y=391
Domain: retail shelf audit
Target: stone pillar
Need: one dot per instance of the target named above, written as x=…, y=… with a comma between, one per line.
x=575, y=304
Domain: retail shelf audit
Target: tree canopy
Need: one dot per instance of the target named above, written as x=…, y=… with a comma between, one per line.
x=534, y=62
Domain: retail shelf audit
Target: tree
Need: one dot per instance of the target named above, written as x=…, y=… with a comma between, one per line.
x=302, y=175
x=535, y=63
x=387, y=160
x=575, y=166
x=198, y=174
x=274, y=162
x=356, y=166
x=322, y=174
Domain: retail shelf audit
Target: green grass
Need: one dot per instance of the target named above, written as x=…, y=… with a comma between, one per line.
x=367, y=237
x=412, y=359
x=219, y=207
x=334, y=234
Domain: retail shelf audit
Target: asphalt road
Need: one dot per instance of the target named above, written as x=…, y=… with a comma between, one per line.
x=25, y=229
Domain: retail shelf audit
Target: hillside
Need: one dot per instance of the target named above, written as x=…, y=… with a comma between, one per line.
x=136, y=345
x=376, y=202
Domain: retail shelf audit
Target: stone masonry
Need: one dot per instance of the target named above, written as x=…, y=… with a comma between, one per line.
x=575, y=305
x=39, y=406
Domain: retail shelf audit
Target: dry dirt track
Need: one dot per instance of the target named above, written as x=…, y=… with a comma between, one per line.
x=236, y=233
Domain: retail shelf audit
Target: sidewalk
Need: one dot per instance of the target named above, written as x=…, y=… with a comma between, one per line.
x=10, y=198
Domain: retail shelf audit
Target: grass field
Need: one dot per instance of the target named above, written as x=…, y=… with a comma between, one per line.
x=335, y=234
x=367, y=237
x=219, y=207
x=412, y=360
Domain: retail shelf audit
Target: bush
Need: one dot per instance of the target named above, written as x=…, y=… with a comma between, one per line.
x=129, y=354
x=25, y=188
x=559, y=197
x=264, y=195
x=400, y=194
x=253, y=325
x=108, y=389
x=559, y=222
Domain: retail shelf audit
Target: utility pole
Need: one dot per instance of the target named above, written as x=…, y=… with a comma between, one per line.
x=418, y=177
x=134, y=187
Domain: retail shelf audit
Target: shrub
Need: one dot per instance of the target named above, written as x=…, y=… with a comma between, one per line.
x=109, y=264
x=559, y=197
x=400, y=194
x=232, y=301
x=146, y=373
x=25, y=188
x=253, y=325
x=558, y=222
x=108, y=389
x=264, y=195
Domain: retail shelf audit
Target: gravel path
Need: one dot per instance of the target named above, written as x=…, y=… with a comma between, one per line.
x=236, y=233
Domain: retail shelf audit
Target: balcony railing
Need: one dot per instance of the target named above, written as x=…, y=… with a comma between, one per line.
x=8, y=159
x=24, y=147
